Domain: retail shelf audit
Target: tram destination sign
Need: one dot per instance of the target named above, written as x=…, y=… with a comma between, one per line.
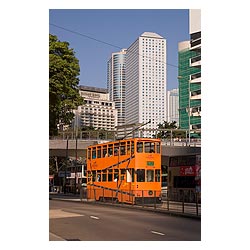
x=150, y=163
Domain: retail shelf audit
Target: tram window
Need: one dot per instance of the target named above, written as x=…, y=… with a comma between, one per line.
x=93, y=175
x=139, y=147
x=116, y=149
x=110, y=150
x=140, y=175
x=158, y=148
x=104, y=151
x=93, y=153
x=128, y=147
x=110, y=173
x=116, y=174
x=123, y=171
x=150, y=175
x=149, y=147
x=89, y=176
x=123, y=148
x=98, y=152
x=133, y=174
x=98, y=175
x=89, y=153
x=132, y=147
x=130, y=175
x=157, y=175
x=104, y=175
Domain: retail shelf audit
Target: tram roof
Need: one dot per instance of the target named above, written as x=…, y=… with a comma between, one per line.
x=128, y=139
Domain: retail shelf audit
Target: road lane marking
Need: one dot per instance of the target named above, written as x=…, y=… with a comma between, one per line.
x=154, y=232
x=94, y=217
x=54, y=237
x=59, y=213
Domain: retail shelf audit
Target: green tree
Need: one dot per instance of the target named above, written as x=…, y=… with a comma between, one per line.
x=169, y=126
x=64, y=94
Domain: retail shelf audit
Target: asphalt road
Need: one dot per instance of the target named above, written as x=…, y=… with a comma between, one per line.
x=73, y=221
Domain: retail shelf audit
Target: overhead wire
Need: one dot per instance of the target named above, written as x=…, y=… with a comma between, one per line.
x=110, y=44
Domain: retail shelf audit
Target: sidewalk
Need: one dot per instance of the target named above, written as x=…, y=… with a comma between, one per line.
x=175, y=208
x=65, y=197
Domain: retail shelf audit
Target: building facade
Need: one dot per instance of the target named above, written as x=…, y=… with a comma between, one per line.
x=189, y=54
x=146, y=85
x=98, y=111
x=116, y=83
x=173, y=106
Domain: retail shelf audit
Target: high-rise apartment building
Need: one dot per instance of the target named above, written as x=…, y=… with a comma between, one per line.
x=116, y=83
x=146, y=75
x=173, y=106
x=190, y=76
x=98, y=111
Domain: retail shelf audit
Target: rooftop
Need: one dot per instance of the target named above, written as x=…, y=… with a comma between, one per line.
x=93, y=89
x=151, y=34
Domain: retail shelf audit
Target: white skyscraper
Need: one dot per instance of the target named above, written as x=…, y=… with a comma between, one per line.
x=146, y=85
x=116, y=83
x=173, y=105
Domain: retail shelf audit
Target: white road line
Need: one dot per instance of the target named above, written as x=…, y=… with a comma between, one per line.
x=94, y=217
x=154, y=232
x=54, y=237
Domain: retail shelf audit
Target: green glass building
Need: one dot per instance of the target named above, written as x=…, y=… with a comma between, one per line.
x=189, y=76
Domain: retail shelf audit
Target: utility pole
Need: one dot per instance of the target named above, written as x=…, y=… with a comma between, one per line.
x=75, y=165
x=66, y=165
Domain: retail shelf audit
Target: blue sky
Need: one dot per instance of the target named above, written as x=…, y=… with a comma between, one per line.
x=119, y=27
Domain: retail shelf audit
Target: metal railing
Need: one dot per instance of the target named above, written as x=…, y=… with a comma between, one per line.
x=112, y=136
x=145, y=200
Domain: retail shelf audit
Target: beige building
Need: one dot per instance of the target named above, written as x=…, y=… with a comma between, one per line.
x=98, y=111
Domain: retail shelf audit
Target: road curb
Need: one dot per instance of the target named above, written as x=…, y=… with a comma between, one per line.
x=171, y=213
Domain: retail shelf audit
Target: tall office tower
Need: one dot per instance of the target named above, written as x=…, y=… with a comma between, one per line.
x=173, y=106
x=116, y=83
x=190, y=77
x=146, y=81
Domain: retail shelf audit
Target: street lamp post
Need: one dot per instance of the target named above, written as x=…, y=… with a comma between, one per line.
x=76, y=134
x=66, y=165
x=75, y=165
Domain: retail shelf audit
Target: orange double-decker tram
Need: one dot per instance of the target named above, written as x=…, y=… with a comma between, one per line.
x=126, y=171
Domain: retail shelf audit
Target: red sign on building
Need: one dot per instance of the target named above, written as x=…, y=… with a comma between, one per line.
x=188, y=171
